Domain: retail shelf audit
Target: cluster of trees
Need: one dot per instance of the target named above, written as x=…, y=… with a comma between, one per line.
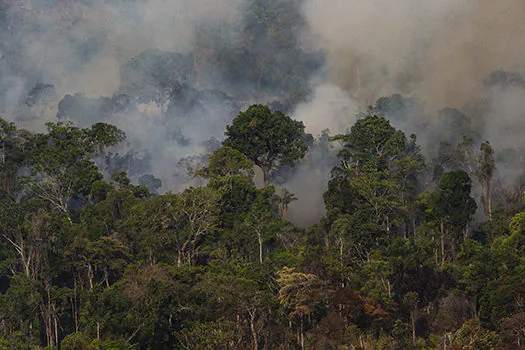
x=91, y=261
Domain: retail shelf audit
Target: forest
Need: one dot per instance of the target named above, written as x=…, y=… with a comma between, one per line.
x=235, y=175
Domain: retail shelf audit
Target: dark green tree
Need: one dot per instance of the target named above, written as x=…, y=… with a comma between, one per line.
x=269, y=139
x=378, y=171
x=455, y=206
x=485, y=173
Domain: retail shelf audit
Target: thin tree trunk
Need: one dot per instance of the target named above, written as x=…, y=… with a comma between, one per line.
x=72, y=300
x=442, y=228
x=341, y=248
x=90, y=276
x=150, y=256
x=489, y=201
x=302, y=332
x=265, y=171
x=475, y=307
x=413, y=321
x=56, y=327
x=260, y=247
x=252, y=328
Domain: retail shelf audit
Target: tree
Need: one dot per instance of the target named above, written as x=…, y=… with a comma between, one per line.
x=283, y=200
x=259, y=222
x=227, y=162
x=174, y=220
x=299, y=293
x=454, y=205
x=485, y=172
x=150, y=182
x=378, y=171
x=13, y=153
x=269, y=139
x=61, y=161
x=411, y=301
x=472, y=336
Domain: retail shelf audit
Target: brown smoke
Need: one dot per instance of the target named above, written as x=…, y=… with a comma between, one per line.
x=440, y=49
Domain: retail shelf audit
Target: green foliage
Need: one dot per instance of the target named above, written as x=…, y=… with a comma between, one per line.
x=269, y=139
x=76, y=341
x=472, y=336
x=377, y=176
x=454, y=203
x=89, y=264
x=176, y=222
x=517, y=224
x=227, y=162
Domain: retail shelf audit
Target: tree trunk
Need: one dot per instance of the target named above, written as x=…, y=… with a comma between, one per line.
x=436, y=253
x=413, y=321
x=179, y=258
x=475, y=307
x=90, y=276
x=341, y=249
x=442, y=228
x=266, y=172
x=260, y=247
x=488, y=201
x=302, y=332
x=56, y=327
x=150, y=256
x=252, y=328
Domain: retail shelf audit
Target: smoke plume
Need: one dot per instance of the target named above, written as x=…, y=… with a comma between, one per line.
x=441, y=50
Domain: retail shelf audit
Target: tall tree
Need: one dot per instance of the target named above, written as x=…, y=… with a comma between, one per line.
x=485, y=172
x=380, y=165
x=12, y=143
x=283, y=200
x=269, y=139
x=174, y=220
x=454, y=205
x=61, y=161
x=299, y=293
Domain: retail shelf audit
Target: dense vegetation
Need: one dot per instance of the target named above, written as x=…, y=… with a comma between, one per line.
x=90, y=262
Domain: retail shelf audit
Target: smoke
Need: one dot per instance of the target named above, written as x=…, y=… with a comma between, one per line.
x=328, y=108
x=79, y=46
x=436, y=54
x=80, y=50
x=441, y=50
